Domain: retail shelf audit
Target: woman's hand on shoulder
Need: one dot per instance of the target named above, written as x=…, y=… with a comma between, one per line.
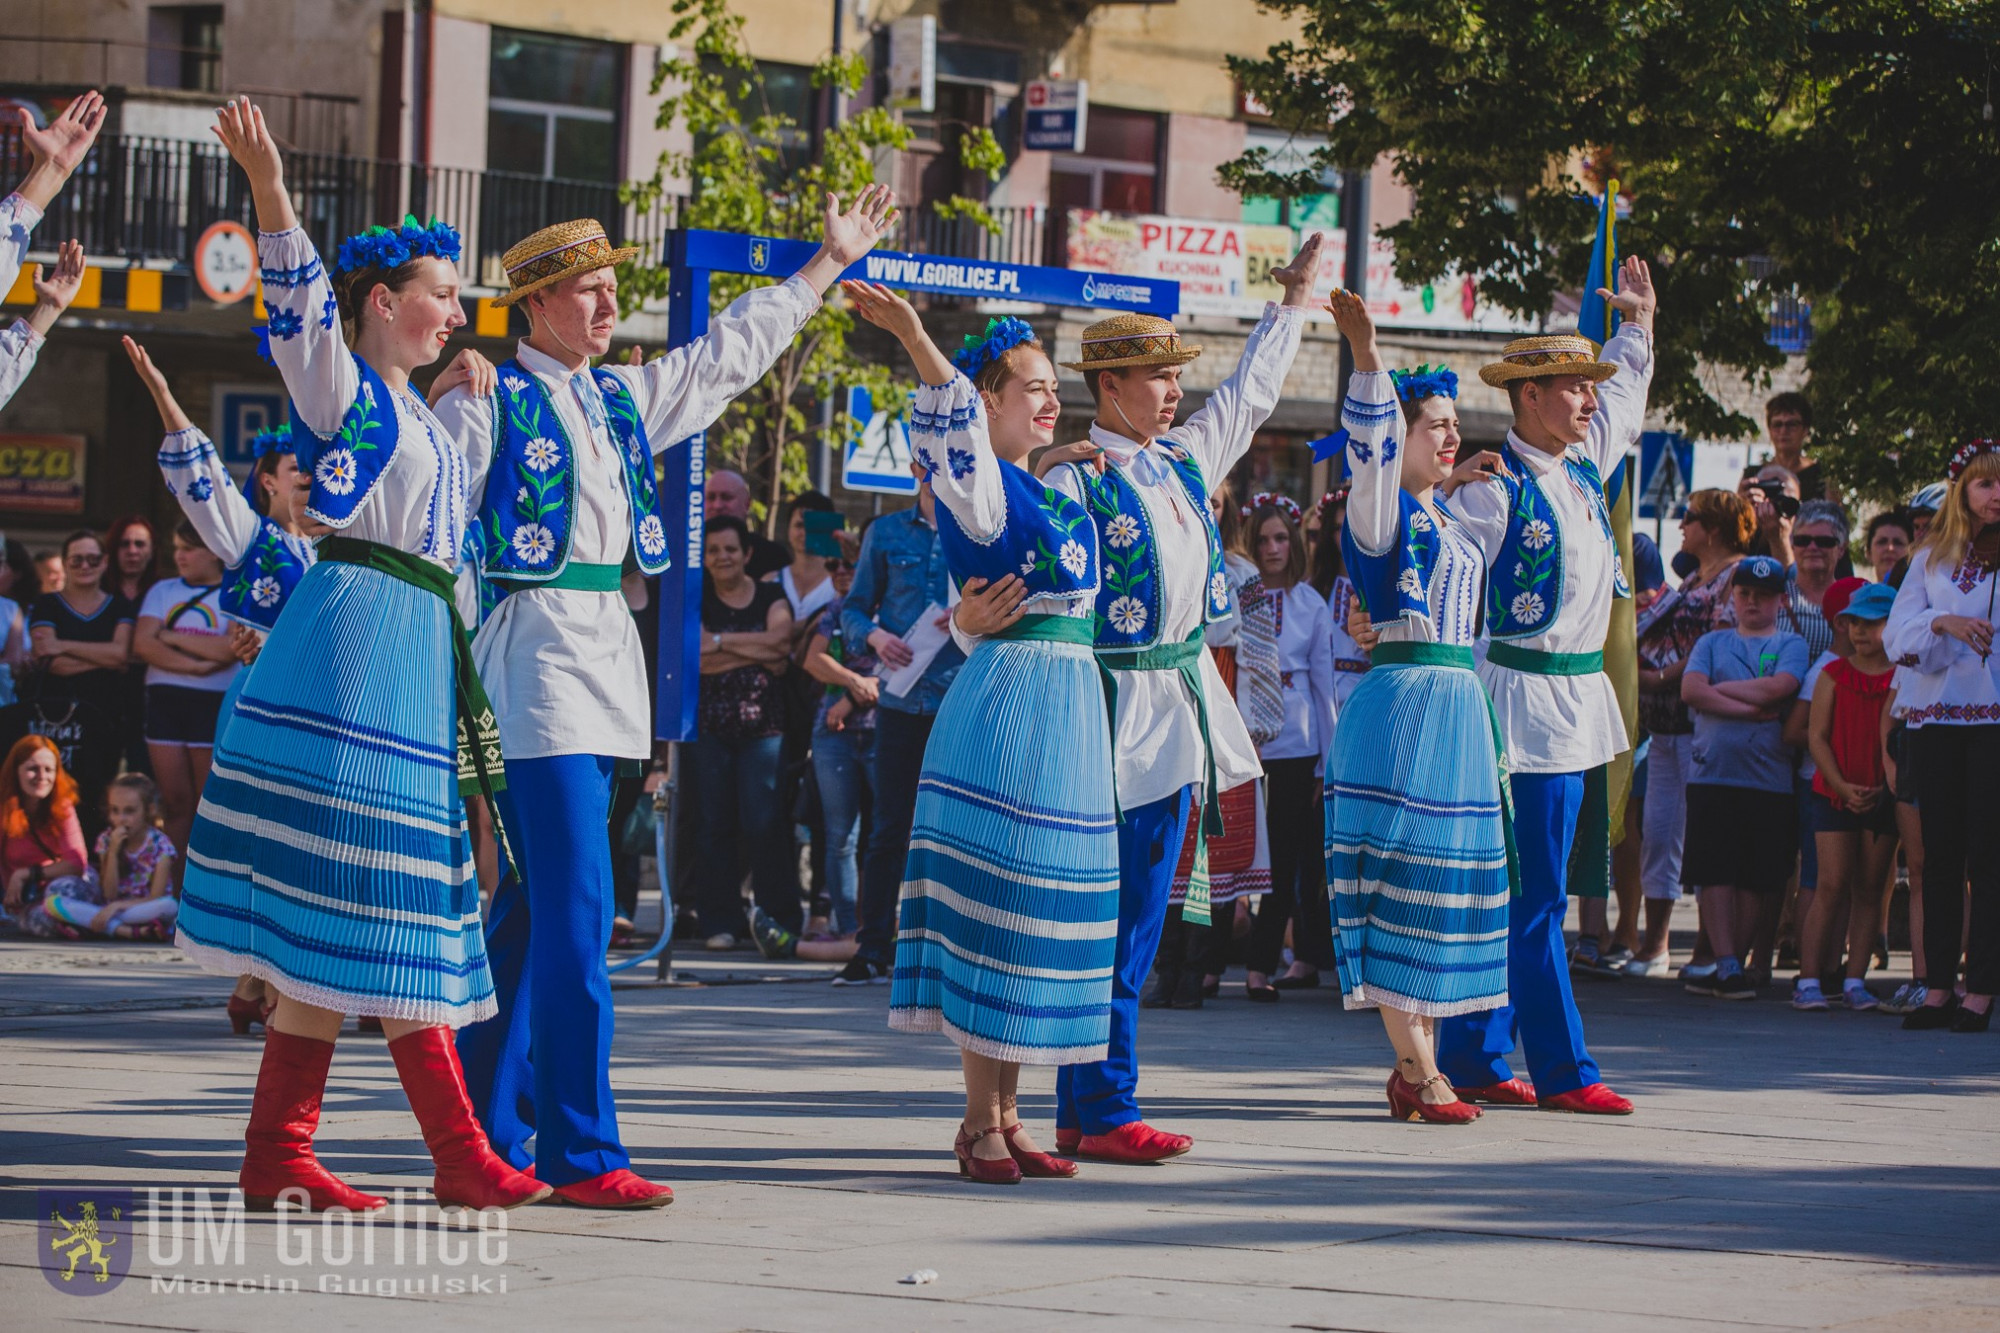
x=985, y=608
x=468, y=368
x=1044, y=460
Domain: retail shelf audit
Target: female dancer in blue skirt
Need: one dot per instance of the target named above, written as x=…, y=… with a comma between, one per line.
x=1009, y=910
x=1417, y=853
x=329, y=855
x=264, y=551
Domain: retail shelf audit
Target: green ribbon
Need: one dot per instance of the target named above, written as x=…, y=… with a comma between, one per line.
x=481, y=768
x=1530, y=662
x=1184, y=657
x=1460, y=658
x=573, y=577
x=1079, y=630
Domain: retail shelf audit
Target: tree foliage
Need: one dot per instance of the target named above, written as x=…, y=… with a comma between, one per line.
x=1842, y=149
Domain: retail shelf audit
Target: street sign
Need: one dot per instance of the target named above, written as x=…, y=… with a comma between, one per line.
x=238, y=412
x=913, y=64
x=225, y=262
x=878, y=449
x=1666, y=461
x=1056, y=109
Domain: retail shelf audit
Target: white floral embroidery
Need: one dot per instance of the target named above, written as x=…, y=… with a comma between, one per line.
x=1520, y=569
x=1420, y=522
x=652, y=537
x=1408, y=582
x=1218, y=590
x=1027, y=567
x=1537, y=535
x=1121, y=532
x=264, y=591
x=542, y=454
x=521, y=496
x=514, y=383
x=534, y=544
x=1527, y=607
x=1127, y=615
x=336, y=472
x=1074, y=558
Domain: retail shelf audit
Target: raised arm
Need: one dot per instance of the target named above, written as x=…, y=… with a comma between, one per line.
x=1621, y=400
x=56, y=152
x=306, y=344
x=1373, y=420
x=194, y=472
x=1219, y=434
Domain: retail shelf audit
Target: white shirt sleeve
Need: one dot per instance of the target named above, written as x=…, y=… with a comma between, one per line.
x=1911, y=641
x=1319, y=667
x=1621, y=400
x=306, y=342
x=1373, y=420
x=196, y=477
x=19, y=343
x=683, y=392
x=1220, y=432
x=948, y=435
x=468, y=419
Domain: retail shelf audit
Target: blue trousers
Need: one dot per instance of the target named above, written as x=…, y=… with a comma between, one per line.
x=542, y=1065
x=1100, y=1096
x=1473, y=1048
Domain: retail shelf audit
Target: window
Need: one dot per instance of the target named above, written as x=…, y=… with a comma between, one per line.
x=1118, y=167
x=553, y=106
x=184, y=47
x=783, y=91
x=1293, y=153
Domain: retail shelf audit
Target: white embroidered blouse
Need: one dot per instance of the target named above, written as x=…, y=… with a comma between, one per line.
x=19, y=343
x=1941, y=680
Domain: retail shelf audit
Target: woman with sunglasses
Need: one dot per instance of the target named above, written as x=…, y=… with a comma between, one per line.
x=82, y=637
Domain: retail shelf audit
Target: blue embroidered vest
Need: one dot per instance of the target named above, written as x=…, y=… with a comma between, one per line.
x=1524, y=585
x=257, y=587
x=346, y=465
x=1048, y=541
x=1395, y=585
x=1128, y=602
x=528, y=511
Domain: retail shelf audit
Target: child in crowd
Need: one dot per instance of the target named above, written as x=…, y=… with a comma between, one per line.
x=1854, y=814
x=135, y=861
x=1742, y=819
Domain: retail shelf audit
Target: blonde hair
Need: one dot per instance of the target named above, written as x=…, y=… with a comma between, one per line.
x=1952, y=531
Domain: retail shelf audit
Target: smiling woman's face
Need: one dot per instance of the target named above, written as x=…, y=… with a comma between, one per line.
x=1025, y=408
x=1431, y=449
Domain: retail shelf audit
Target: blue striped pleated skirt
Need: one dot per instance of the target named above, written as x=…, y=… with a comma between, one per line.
x=1416, y=844
x=1009, y=915
x=329, y=855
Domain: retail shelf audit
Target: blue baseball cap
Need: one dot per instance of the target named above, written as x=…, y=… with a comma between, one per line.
x=1759, y=571
x=1871, y=603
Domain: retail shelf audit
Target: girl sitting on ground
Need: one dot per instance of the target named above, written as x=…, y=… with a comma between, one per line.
x=135, y=861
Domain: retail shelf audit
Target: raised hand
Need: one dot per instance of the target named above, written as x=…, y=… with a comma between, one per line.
x=1351, y=317
x=59, y=149
x=1636, y=300
x=1298, y=277
x=57, y=288
x=241, y=128
x=851, y=234
x=171, y=415
x=883, y=308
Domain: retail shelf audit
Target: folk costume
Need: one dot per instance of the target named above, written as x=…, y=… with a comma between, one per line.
x=1008, y=917
x=1418, y=855
x=20, y=344
x=1546, y=529
x=561, y=481
x=1163, y=584
x=329, y=856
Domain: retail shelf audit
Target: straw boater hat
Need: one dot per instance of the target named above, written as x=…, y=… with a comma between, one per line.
x=1131, y=340
x=558, y=252
x=1540, y=358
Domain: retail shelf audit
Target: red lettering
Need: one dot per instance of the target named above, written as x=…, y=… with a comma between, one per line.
x=1231, y=243
x=1149, y=235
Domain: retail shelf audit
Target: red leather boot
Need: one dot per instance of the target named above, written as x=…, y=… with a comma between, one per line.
x=469, y=1173
x=279, y=1158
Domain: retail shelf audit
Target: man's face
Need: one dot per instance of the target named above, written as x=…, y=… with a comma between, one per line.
x=726, y=496
x=1787, y=430
x=1143, y=397
x=1562, y=405
x=581, y=313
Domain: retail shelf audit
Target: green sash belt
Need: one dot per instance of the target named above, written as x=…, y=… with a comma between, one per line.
x=1454, y=655
x=1079, y=630
x=1534, y=663
x=481, y=769
x=575, y=577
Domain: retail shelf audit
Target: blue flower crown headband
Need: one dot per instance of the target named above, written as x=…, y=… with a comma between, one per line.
x=392, y=247
x=276, y=440
x=1426, y=381
x=983, y=349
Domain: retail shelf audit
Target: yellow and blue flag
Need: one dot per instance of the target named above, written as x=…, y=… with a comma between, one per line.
x=1597, y=321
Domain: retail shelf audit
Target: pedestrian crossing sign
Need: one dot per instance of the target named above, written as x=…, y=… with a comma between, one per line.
x=878, y=449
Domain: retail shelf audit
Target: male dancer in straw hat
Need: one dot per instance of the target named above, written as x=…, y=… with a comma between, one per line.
x=1180, y=741
x=1546, y=528
x=561, y=474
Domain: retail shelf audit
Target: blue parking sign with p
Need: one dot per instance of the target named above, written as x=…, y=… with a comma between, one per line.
x=240, y=414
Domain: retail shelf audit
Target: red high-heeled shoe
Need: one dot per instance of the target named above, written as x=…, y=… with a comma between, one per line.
x=1040, y=1165
x=1002, y=1171
x=1406, y=1102
x=242, y=1013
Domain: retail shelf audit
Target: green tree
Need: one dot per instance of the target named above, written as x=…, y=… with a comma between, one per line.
x=1844, y=151
x=750, y=174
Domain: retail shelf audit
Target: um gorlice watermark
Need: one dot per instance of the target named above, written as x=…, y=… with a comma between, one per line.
x=199, y=1242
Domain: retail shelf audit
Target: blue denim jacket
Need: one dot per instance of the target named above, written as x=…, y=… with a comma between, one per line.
x=901, y=571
